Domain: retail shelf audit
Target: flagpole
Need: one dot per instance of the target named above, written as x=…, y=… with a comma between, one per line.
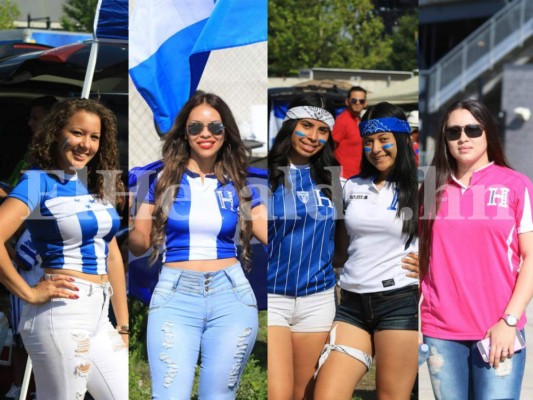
x=89, y=74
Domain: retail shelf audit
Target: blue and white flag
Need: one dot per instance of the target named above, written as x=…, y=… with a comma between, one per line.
x=171, y=41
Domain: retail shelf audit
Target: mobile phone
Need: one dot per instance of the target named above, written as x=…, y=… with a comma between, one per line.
x=484, y=345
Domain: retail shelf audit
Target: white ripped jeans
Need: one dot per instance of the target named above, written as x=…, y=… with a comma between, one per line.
x=74, y=347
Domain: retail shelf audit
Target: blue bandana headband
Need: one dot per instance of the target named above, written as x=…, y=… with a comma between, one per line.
x=378, y=125
x=311, y=112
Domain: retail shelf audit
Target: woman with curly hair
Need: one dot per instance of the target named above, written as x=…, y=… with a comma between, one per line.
x=302, y=213
x=67, y=199
x=203, y=302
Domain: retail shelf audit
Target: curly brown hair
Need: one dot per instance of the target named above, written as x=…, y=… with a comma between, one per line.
x=44, y=147
x=230, y=165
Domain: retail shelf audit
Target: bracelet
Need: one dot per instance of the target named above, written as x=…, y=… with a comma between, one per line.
x=123, y=329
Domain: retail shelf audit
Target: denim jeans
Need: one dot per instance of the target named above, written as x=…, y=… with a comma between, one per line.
x=74, y=347
x=214, y=314
x=458, y=372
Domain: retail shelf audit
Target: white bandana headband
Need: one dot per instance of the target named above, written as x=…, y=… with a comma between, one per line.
x=311, y=112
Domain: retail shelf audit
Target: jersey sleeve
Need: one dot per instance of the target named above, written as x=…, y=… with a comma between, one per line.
x=524, y=212
x=30, y=188
x=256, y=197
x=150, y=194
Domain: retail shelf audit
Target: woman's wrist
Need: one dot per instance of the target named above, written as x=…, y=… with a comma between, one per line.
x=123, y=329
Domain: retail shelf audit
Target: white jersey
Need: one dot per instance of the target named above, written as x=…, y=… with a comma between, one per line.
x=377, y=244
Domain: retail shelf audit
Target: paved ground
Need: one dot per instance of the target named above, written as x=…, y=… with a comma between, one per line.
x=424, y=385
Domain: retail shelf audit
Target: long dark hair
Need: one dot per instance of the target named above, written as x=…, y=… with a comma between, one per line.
x=403, y=172
x=44, y=146
x=442, y=167
x=279, y=155
x=230, y=165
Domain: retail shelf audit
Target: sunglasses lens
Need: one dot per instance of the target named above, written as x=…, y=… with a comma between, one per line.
x=453, y=133
x=355, y=101
x=194, y=128
x=216, y=128
x=473, y=131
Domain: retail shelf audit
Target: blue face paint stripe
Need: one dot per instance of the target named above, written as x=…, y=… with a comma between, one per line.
x=322, y=141
x=367, y=149
x=388, y=146
x=301, y=134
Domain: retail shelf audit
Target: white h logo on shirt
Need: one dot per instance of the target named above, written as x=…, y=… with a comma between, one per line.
x=225, y=197
x=501, y=194
x=321, y=198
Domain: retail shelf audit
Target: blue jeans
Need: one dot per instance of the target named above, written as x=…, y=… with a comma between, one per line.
x=458, y=372
x=214, y=314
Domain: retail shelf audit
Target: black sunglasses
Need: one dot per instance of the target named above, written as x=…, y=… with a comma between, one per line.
x=454, y=132
x=360, y=101
x=216, y=128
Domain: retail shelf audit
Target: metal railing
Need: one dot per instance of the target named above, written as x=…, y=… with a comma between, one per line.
x=507, y=30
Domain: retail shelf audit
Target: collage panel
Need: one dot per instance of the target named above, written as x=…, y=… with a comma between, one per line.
x=342, y=273
x=271, y=199
x=475, y=238
x=198, y=147
x=64, y=129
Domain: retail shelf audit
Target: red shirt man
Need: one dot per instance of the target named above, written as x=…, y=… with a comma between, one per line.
x=346, y=133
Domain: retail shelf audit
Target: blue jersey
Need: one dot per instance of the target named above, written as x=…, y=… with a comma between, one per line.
x=301, y=231
x=202, y=220
x=69, y=228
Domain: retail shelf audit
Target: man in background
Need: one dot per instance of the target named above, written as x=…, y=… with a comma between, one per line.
x=349, y=145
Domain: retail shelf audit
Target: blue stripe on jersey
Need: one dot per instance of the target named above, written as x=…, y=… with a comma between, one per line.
x=69, y=227
x=301, y=233
x=202, y=220
x=178, y=220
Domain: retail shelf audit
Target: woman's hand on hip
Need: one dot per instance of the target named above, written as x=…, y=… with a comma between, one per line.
x=53, y=287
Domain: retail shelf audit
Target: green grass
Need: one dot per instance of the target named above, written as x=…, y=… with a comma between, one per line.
x=253, y=384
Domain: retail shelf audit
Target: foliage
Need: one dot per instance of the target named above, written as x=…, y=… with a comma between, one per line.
x=79, y=15
x=8, y=12
x=403, y=57
x=325, y=33
x=254, y=379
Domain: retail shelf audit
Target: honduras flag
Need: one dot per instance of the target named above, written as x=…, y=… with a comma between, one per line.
x=171, y=41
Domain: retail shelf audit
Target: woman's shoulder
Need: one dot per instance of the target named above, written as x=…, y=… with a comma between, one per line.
x=511, y=175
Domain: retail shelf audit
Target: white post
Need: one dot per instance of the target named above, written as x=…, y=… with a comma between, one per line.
x=26, y=380
x=91, y=65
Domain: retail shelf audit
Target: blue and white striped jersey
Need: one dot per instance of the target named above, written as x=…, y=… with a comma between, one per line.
x=69, y=228
x=301, y=231
x=202, y=220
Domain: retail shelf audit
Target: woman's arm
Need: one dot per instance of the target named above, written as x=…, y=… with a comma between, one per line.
x=116, y=273
x=501, y=335
x=12, y=215
x=139, y=236
x=341, y=245
x=260, y=223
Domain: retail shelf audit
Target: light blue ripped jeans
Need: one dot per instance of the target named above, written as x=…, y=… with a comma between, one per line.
x=213, y=313
x=458, y=372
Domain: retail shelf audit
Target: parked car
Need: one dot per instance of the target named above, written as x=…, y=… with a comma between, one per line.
x=58, y=72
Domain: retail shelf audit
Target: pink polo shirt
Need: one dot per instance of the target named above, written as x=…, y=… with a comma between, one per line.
x=475, y=257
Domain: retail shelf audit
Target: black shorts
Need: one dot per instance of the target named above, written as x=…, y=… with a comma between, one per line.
x=389, y=310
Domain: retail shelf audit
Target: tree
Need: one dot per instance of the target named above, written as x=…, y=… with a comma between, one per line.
x=403, y=57
x=8, y=12
x=325, y=33
x=79, y=15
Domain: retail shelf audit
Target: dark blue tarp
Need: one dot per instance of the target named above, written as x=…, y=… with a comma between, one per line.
x=111, y=21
